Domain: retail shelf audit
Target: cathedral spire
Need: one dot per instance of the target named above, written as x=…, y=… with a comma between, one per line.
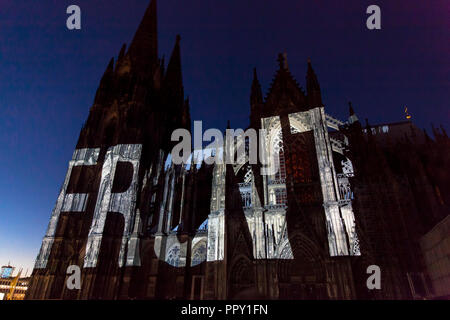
x=173, y=80
x=110, y=67
x=283, y=86
x=427, y=137
x=174, y=67
x=351, y=111
x=444, y=133
x=285, y=62
x=105, y=82
x=435, y=131
x=352, y=116
x=143, y=50
x=122, y=51
x=256, y=101
x=256, y=94
x=312, y=87
x=282, y=61
x=121, y=56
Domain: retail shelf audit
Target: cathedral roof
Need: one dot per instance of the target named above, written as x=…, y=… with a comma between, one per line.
x=285, y=94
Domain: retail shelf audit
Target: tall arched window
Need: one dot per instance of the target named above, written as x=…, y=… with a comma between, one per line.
x=173, y=256
x=278, y=148
x=245, y=187
x=199, y=253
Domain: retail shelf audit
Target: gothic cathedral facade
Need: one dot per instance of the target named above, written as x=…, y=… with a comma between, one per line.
x=141, y=227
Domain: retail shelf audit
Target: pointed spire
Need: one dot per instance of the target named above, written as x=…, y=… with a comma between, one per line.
x=105, y=81
x=369, y=130
x=173, y=73
x=435, y=131
x=312, y=87
x=444, y=133
x=144, y=47
x=285, y=62
x=282, y=61
x=311, y=79
x=352, y=116
x=351, y=111
x=121, y=56
x=284, y=84
x=173, y=79
x=110, y=67
x=122, y=52
x=256, y=93
x=427, y=137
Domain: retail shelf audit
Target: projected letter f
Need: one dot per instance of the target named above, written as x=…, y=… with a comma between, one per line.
x=73, y=202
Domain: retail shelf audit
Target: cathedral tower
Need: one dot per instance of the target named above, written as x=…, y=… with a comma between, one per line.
x=105, y=202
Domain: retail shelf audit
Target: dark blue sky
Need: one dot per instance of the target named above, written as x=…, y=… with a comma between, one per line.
x=48, y=76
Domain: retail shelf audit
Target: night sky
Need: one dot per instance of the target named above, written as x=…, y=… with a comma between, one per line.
x=49, y=75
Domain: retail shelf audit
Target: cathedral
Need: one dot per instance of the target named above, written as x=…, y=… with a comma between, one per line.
x=345, y=196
